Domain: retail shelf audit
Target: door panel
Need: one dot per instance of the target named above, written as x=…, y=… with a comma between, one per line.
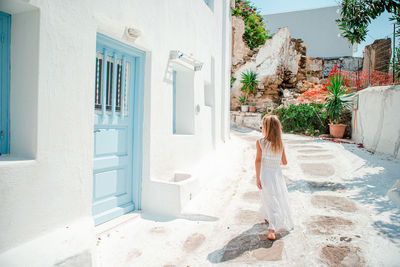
x=111, y=141
x=110, y=183
x=115, y=130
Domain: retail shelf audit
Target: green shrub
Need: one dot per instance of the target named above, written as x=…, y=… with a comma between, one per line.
x=254, y=33
x=233, y=79
x=303, y=118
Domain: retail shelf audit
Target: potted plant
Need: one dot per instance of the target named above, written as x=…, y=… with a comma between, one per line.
x=336, y=103
x=252, y=108
x=249, y=82
x=243, y=103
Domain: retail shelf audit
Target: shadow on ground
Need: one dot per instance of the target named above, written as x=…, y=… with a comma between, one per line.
x=306, y=186
x=254, y=238
x=372, y=189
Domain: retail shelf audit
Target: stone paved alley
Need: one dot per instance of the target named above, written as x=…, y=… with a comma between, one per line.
x=338, y=198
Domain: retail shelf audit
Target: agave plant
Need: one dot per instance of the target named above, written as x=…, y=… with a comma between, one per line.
x=338, y=98
x=249, y=81
x=243, y=99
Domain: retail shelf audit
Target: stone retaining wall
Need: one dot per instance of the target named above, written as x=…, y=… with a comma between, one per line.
x=377, y=55
x=246, y=119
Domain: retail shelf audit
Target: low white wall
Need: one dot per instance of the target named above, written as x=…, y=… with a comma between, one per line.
x=376, y=122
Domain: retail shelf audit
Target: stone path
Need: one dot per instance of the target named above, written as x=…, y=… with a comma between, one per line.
x=338, y=197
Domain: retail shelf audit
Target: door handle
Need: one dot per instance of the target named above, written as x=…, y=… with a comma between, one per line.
x=97, y=131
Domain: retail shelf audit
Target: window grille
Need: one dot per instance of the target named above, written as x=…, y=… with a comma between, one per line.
x=127, y=82
x=99, y=71
x=110, y=66
x=104, y=85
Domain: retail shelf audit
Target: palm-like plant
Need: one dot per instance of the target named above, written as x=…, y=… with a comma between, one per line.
x=249, y=81
x=337, y=100
x=242, y=99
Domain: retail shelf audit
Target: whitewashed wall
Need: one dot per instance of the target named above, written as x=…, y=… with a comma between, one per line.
x=46, y=181
x=376, y=123
x=316, y=27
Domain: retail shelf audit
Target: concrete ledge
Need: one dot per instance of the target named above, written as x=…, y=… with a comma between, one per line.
x=170, y=197
x=246, y=119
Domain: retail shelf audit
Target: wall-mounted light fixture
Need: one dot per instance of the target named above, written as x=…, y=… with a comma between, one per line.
x=132, y=33
x=188, y=61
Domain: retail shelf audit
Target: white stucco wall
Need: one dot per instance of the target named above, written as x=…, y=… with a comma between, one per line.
x=46, y=181
x=316, y=27
x=376, y=123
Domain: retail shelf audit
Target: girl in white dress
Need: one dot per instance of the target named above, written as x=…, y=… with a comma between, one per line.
x=274, y=195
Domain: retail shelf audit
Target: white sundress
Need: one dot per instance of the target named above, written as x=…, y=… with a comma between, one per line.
x=274, y=195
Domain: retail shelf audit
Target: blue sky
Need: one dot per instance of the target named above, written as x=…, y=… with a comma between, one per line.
x=379, y=28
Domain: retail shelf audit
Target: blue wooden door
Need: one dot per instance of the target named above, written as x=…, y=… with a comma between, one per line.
x=117, y=129
x=5, y=27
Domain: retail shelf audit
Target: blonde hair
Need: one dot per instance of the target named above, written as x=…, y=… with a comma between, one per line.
x=272, y=131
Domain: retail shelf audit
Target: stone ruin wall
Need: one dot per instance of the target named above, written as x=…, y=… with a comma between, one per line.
x=378, y=55
x=284, y=70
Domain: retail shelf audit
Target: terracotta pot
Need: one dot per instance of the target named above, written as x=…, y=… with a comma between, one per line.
x=244, y=108
x=337, y=130
x=252, y=108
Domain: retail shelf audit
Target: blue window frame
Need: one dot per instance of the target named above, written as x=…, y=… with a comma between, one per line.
x=209, y=3
x=174, y=102
x=5, y=28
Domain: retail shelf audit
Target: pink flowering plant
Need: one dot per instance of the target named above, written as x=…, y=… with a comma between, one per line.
x=255, y=33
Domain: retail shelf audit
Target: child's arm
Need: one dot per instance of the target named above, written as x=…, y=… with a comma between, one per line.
x=283, y=160
x=258, y=164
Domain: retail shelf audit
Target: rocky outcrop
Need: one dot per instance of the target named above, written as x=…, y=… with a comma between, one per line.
x=280, y=64
x=286, y=75
x=239, y=48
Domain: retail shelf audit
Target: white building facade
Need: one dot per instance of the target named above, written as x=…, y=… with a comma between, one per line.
x=316, y=27
x=106, y=108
